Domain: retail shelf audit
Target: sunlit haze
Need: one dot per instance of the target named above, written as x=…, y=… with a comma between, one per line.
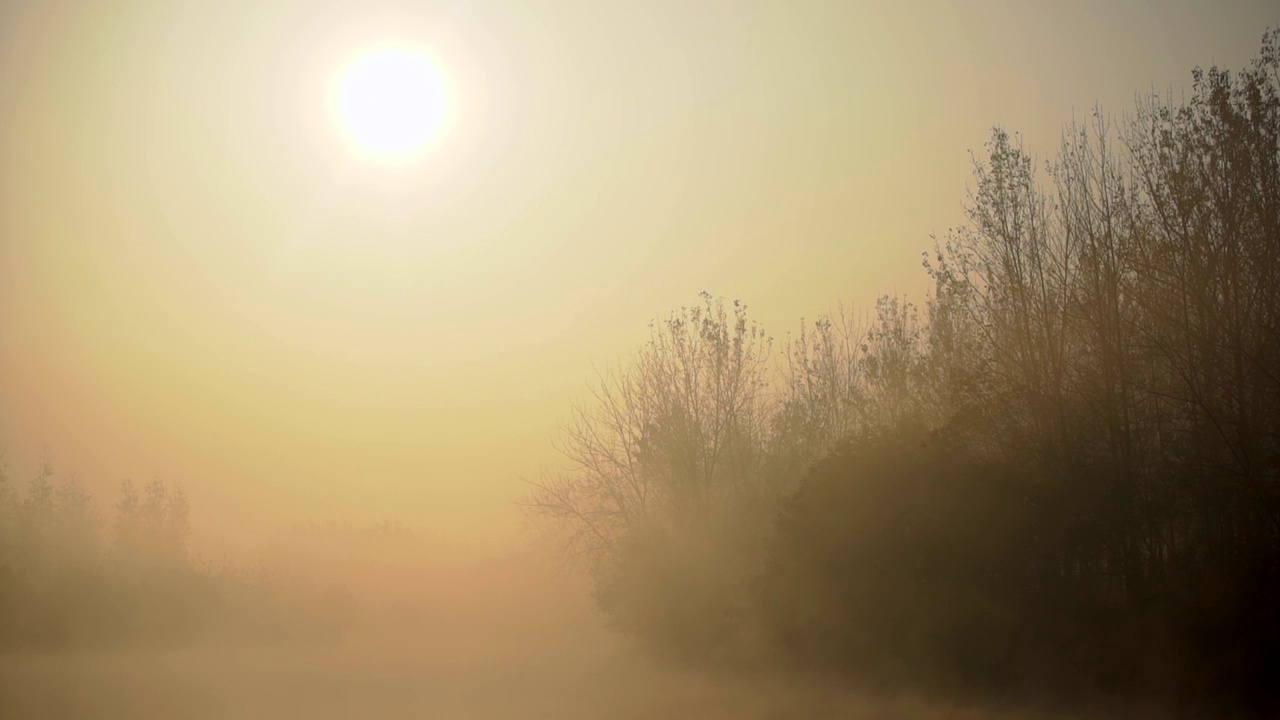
x=202, y=281
x=390, y=101
x=358, y=261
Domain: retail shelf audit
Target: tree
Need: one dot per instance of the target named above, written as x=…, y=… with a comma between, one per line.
x=666, y=463
x=823, y=393
x=1109, y=344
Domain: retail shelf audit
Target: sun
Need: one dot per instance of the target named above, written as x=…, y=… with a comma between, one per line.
x=391, y=102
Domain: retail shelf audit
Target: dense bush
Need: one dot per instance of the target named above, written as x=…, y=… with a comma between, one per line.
x=908, y=559
x=903, y=557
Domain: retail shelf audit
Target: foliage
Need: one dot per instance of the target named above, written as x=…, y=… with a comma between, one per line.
x=1064, y=478
x=1105, y=348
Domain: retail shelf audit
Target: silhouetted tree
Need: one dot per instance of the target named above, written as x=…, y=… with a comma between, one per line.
x=1099, y=382
x=1063, y=478
x=667, y=471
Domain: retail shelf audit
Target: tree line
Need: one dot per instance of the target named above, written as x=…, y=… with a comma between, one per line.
x=74, y=577
x=1057, y=478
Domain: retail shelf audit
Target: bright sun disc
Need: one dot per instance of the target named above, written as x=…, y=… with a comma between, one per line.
x=391, y=102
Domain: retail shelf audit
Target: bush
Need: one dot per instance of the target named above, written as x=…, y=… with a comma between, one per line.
x=901, y=557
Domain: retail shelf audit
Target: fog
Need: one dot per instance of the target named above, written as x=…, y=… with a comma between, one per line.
x=558, y=359
x=514, y=635
x=386, y=680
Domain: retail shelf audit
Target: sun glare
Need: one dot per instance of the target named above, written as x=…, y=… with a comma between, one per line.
x=391, y=102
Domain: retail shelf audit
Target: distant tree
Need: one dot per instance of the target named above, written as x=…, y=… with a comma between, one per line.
x=38, y=505
x=74, y=528
x=128, y=524
x=8, y=509
x=164, y=522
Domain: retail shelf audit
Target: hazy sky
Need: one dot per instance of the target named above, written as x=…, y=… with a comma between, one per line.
x=200, y=281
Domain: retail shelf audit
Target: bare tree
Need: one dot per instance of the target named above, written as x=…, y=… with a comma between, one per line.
x=672, y=439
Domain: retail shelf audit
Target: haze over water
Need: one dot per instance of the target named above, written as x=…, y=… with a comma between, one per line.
x=373, y=302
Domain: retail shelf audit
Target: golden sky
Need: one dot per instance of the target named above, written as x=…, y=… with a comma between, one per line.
x=200, y=280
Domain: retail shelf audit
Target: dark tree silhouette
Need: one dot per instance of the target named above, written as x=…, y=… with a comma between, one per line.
x=1063, y=480
x=1105, y=350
